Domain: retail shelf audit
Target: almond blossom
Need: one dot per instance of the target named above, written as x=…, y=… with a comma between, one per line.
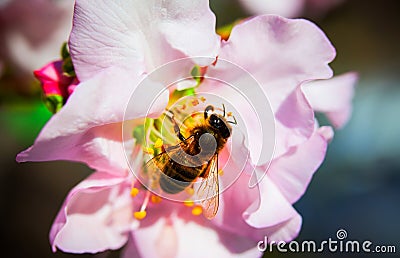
x=113, y=47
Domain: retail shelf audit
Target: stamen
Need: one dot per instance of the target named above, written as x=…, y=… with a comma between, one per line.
x=134, y=191
x=146, y=201
x=155, y=199
x=203, y=99
x=139, y=215
x=149, y=150
x=220, y=172
x=195, y=102
x=158, y=143
x=197, y=210
x=142, y=213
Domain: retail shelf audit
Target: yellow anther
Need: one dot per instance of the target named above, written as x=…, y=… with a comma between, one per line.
x=203, y=99
x=158, y=143
x=140, y=215
x=197, y=210
x=229, y=114
x=134, y=191
x=220, y=172
x=188, y=203
x=155, y=199
x=149, y=150
x=189, y=191
x=195, y=102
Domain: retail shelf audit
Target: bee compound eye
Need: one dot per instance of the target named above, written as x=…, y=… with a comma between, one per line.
x=215, y=121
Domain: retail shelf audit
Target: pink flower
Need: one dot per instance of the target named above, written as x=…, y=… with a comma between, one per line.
x=289, y=8
x=113, y=55
x=56, y=85
x=54, y=81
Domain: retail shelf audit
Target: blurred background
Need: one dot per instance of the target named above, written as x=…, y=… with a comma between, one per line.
x=357, y=188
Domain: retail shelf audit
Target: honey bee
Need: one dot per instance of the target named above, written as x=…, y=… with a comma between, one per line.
x=195, y=157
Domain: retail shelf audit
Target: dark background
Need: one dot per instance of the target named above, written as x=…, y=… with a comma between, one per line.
x=357, y=188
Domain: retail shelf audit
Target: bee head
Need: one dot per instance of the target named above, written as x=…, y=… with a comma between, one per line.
x=217, y=122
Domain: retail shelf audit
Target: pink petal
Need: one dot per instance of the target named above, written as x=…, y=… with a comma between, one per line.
x=149, y=238
x=52, y=79
x=177, y=237
x=285, y=231
x=257, y=212
x=326, y=132
x=333, y=97
x=94, y=217
x=88, y=127
x=280, y=54
x=272, y=209
x=190, y=28
x=139, y=36
x=293, y=171
x=279, y=51
x=294, y=122
x=131, y=249
x=254, y=212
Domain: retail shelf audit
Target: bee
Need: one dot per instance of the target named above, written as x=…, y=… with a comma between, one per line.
x=195, y=157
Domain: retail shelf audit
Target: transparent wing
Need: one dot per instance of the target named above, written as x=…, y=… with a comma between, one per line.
x=153, y=168
x=208, y=191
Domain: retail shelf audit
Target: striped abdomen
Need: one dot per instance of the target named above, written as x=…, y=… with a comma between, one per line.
x=176, y=177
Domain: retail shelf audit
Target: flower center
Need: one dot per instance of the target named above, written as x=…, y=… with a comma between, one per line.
x=154, y=135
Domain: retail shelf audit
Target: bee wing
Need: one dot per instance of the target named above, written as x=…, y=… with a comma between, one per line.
x=153, y=168
x=209, y=189
x=156, y=165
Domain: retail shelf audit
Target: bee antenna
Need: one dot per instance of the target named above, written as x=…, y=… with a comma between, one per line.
x=233, y=122
x=223, y=107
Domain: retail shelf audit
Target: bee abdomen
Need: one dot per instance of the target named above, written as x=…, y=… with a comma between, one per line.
x=172, y=186
x=177, y=177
